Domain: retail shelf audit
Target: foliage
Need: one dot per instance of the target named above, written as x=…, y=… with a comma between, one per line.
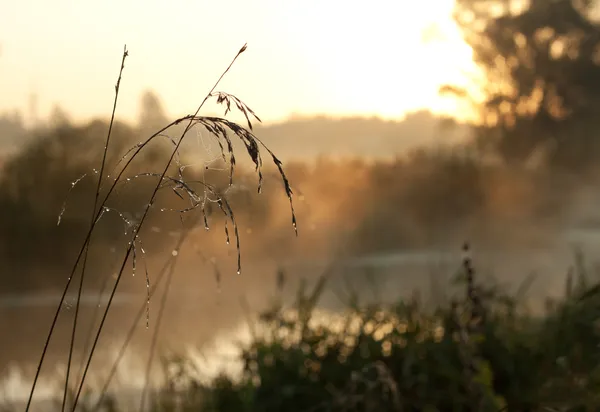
x=539, y=64
x=417, y=201
x=407, y=357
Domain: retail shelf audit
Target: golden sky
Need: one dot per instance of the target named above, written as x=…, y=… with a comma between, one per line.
x=381, y=57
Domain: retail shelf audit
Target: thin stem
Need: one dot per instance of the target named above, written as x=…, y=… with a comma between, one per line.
x=92, y=221
x=66, y=288
x=159, y=318
x=142, y=220
x=89, y=334
x=81, y=251
x=170, y=265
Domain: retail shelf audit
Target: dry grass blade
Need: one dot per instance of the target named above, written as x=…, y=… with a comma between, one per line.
x=165, y=272
x=218, y=127
x=226, y=99
x=83, y=250
x=64, y=206
x=251, y=143
x=92, y=224
x=154, y=342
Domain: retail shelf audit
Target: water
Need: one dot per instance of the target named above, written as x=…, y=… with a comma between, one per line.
x=220, y=355
x=215, y=347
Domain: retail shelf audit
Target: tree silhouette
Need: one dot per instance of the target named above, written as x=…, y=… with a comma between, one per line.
x=540, y=61
x=58, y=118
x=152, y=115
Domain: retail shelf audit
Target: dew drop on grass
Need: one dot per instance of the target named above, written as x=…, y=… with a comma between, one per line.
x=206, y=227
x=64, y=206
x=147, y=299
x=226, y=233
x=134, y=258
x=60, y=215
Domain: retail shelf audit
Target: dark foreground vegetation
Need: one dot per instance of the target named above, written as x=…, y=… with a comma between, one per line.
x=483, y=351
x=475, y=347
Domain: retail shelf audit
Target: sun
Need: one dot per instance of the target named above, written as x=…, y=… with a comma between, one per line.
x=385, y=59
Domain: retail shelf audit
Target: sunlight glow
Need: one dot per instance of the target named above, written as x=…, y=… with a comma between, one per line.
x=384, y=58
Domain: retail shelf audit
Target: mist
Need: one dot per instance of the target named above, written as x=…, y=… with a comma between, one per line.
x=387, y=205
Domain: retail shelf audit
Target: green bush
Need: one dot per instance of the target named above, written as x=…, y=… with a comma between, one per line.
x=407, y=357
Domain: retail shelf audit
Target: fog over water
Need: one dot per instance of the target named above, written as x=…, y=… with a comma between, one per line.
x=382, y=223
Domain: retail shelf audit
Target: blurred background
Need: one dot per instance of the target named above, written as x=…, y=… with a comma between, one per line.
x=404, y=128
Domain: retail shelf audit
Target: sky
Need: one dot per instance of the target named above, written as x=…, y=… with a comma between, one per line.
x=305, y=57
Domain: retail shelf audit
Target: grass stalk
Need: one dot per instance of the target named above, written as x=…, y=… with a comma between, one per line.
x=92, y=221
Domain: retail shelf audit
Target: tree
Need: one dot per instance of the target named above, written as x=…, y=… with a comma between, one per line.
x=152, y=115
x=59, y=118
x=540, y=61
